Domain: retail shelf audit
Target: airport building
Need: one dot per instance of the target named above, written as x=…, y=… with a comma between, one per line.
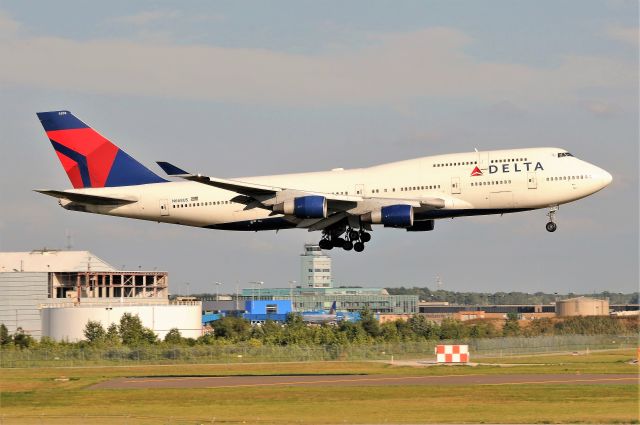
x=315, y=268
x=54, y=293
x=582, y=306
x=316, y=292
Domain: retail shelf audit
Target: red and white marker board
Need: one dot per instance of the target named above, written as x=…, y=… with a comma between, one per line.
x=452, y=353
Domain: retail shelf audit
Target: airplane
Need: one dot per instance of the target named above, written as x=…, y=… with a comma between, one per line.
x=321, y=317
x=343, y=204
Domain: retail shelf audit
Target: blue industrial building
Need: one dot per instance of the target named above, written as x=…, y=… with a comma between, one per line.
x=258, y=311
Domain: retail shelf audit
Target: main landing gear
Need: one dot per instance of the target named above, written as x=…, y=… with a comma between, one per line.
x=551, y=226
x=352, y=240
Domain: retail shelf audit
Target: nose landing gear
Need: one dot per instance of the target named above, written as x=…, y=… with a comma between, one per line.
x=551, y=226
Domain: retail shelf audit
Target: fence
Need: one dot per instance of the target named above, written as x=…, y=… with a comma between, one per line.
x=63, y=355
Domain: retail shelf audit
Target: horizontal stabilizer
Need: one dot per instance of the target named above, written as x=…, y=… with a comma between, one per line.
x=87, y=199
x=171, y=169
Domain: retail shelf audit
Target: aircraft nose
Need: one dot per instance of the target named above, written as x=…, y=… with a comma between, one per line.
x=606, y=178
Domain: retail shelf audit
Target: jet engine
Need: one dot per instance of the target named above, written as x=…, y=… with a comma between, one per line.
x=303, y=207
x=391, y=216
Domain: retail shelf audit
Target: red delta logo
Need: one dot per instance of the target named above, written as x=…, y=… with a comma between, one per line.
x=476, y=172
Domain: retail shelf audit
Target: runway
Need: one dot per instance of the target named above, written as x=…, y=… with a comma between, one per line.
x=360, y=380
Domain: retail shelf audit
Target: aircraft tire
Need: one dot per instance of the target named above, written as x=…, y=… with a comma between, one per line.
x=365, y=237
x=358, y=247
x=551, y=226
x=348, y=246
x=325, y=244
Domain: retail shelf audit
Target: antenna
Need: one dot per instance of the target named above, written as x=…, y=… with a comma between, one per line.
x=68, y=236
x=438, y=283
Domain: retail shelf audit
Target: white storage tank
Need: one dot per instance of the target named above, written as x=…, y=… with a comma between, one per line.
x=67, y=322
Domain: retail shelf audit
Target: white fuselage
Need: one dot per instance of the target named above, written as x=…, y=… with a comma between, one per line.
x=508, y=181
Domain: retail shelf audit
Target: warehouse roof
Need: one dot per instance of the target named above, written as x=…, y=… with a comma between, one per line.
x=52, y=261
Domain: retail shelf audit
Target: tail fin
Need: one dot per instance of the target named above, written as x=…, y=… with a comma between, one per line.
x=89, y=159
x=333, y=308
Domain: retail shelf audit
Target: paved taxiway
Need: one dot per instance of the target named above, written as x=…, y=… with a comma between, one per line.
x=360, y=380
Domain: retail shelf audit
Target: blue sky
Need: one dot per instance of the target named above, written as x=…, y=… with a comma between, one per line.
x=235, y=88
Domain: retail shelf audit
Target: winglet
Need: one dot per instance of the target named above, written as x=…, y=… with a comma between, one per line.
x=171, y=169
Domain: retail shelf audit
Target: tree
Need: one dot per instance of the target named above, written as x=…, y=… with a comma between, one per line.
x=94, y=332
x=21, y=339
x=369, y=323
x=133, y=333
x=112, y=336
x=173, y=336
x=232, y=328
x=542, y=326
x=423, y=328
x=5, y=338
x=482, y=330
x=453, y=329
x=511, y=326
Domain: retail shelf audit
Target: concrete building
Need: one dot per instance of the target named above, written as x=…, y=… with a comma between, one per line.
x=316, y=293
x=347, y=299
x=582, y=306
x=54, y=293
x=315, y=268
x=68, y=322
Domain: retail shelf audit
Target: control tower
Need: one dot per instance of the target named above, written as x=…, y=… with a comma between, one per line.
x=315, y=268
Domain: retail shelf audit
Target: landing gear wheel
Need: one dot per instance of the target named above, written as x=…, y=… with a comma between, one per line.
x=347, y=246
x=354, y=235
x=325, y=244
x=365, y=237
x=551, y=226
x=338, y=242
x=358, y=247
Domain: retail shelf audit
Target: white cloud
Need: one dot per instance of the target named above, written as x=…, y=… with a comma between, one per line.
x=8, y=27
x=146, y=18
x=628, y=35
x=396, y=68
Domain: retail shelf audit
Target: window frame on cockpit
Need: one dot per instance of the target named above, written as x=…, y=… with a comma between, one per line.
x=564, y=154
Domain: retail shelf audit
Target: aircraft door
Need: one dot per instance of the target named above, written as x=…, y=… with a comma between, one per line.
x=455, y=185
x=164, y=207
x=483, y=160
x=532, y=181
x=359, y=189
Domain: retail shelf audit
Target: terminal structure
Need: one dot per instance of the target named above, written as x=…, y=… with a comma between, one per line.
x=54, y=293
x=316, y=292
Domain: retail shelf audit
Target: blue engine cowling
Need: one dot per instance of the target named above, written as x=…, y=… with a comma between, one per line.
x=397, y=216
x=310, y=207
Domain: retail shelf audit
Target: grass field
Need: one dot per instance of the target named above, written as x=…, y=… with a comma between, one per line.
x=35, y=396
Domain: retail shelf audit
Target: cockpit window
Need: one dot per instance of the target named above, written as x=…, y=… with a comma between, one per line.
x=561, y=154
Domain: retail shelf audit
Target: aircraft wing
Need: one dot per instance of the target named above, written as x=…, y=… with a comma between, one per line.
x=86, y=198
x=243, y=188
x=339, y=207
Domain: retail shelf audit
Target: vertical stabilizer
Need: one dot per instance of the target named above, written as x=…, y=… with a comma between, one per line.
x=89, y=159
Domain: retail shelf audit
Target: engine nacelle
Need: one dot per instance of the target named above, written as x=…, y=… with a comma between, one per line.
x=391, y=216
x=303, y=207
x=421, y=226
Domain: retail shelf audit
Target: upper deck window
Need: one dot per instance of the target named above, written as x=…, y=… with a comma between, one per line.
x=561, y=154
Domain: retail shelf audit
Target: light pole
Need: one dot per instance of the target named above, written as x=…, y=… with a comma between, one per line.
x=259, y=283
x=187, y=285
x=218, y=290
x=291, y=283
